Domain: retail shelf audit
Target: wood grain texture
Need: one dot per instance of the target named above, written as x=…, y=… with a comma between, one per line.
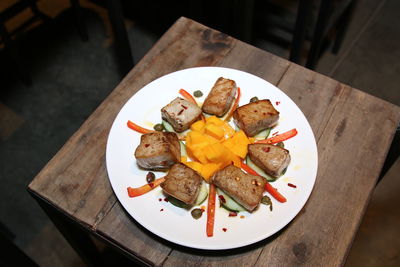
x=315, y=94
x=353, y=132
x=132, y=237
x=255, y=61
x=348, y=168
x=236, y=257
x=75, y=180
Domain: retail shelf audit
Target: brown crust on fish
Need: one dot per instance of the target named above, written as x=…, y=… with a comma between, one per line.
x=181, y=113
x=244, y=188
x=272, y=159
x=182, y=183
x=220, y=97
x=256, y=116
x=158, y=150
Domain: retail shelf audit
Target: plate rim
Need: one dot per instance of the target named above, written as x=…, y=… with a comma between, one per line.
x=284, y=222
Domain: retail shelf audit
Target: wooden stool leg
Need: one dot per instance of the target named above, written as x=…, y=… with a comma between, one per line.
x=36, y=11
x=76, y=236
x=15, y=57
x=302, y=21
x=244, y=17
x=320, y=28
x=122, y=45
x=392, y=155
x=342, y=26
x=80, y=20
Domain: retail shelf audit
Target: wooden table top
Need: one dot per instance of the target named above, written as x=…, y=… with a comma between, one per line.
x=353, y=131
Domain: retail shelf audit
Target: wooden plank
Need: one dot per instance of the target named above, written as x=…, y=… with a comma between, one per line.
x=126, y=233
x=315, y=94
x=350, y=156
x=194, y=45
x=75, y=180
x=255, y=61
x=236, y=257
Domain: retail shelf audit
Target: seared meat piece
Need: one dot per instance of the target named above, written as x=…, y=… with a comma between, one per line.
x=246, y=189
x=182, y=183
x=220, y=97
x=272, y=159
x=158, y=150
x=255, y=117
x=181, y=113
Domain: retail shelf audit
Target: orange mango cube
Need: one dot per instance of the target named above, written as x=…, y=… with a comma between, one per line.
x=214, y=120
x=197, y=126
x=208, y=170
x=195, y=166
x=215, y=131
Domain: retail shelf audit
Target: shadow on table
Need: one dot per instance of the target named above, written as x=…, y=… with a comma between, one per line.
x=210, y=253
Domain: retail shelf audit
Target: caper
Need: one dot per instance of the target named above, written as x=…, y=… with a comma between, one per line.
x=159, y=127
x=253, y=99
x=196, y=213
x=150, y=177
x=267, y=201
x=281, y=144
x=198, y=93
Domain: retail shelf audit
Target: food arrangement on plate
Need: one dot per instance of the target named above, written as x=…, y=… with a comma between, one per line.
x=206, y=155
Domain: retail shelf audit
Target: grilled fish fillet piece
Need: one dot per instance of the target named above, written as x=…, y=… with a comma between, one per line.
x=180, y=113
x=255, y=117
x=272, y=159
x=220, y=97
x=158, y=150
x=246, y=189
x=182, y=183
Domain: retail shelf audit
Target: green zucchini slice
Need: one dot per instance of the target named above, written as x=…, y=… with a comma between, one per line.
x=258, y=170
x=230, y=204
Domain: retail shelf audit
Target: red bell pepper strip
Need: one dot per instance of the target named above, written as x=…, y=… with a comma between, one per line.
x=137, y=128
x=211, y=211
x=268, y=187
x=138, y=191
x=274, y=192
x=278, y=138
x=234, y=106
x=248, y=169
x=188, y=96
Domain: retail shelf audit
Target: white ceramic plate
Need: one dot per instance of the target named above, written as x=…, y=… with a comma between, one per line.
x=177, y=225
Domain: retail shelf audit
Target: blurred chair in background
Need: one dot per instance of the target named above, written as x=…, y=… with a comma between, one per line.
x=293, y=25
x=332, y=15
x=301, y=23
x=9, y=38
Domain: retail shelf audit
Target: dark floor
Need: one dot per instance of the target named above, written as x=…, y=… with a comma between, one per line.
x=71, y=78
